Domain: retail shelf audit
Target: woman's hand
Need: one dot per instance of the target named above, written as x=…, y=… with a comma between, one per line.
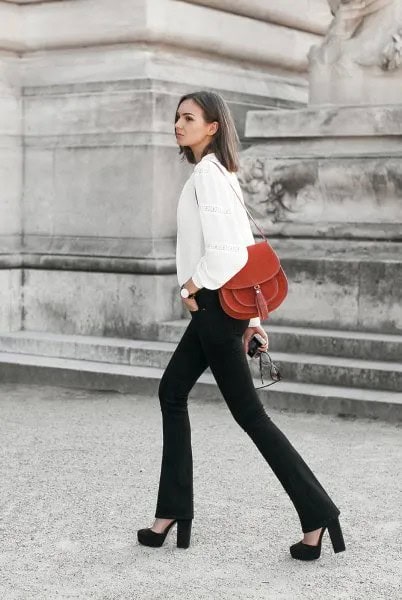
x=248, y=334
x=191, y=304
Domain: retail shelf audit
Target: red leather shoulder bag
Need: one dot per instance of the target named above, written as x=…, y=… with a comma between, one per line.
x=260, y=286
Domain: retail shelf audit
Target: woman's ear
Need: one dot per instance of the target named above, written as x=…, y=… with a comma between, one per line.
x=213, y=127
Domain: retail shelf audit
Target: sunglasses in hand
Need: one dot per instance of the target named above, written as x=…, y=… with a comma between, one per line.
x=266, y=362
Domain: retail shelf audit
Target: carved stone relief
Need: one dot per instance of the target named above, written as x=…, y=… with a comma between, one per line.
x=363, y=32
x=360, y=58
x=279, y=191
x=343, y=190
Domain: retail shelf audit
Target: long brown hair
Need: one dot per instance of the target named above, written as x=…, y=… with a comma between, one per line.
x=225, y=143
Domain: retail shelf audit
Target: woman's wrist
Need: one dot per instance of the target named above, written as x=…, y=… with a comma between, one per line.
x=190, y=286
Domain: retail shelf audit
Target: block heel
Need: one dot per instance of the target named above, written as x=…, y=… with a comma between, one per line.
x=303, y=551
x=183, y=532
x=147, y=537
x=335, y=533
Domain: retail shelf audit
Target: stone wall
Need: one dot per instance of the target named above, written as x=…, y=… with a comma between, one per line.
x=328, y=172
x=91, y=175
x=325, y=183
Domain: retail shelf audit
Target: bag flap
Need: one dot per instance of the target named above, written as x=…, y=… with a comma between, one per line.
x=262, y=264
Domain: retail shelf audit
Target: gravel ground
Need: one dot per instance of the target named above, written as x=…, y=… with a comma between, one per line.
x=79, y=476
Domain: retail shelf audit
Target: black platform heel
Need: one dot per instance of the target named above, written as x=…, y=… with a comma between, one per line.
x=184, y=532
x=147, y=537
x=304, y=551
x=336, y=535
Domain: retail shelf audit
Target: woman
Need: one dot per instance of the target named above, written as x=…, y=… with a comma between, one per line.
x=213, y=232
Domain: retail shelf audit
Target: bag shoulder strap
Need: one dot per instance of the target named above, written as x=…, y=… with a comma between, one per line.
x=235, y=191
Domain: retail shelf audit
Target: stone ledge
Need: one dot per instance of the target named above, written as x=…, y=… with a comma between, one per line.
x=43, y=262
x=158, y=256
x=372, y=373
x=326, y=148
x=81, y=110
x=304, y=340
x=322, y=230
x=342, y=250
x=117, y=82
x=342, y=121
x=296, y=397
x=312, y=15
x=182, y=68
x=171, y=23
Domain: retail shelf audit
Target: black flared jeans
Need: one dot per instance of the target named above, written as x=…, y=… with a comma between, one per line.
x=214, y=339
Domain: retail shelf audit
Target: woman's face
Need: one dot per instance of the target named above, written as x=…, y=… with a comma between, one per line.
x=190, y=127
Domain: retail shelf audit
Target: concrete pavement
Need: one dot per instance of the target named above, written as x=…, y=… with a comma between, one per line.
x=80, y=470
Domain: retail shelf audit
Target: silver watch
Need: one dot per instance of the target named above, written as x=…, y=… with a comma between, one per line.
x=184, y=293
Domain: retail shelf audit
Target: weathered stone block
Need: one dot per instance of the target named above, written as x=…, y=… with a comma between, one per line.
x=10, y=187
x=352, y=295
x=11, y=299
x=326, y=172
x=105, y=304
